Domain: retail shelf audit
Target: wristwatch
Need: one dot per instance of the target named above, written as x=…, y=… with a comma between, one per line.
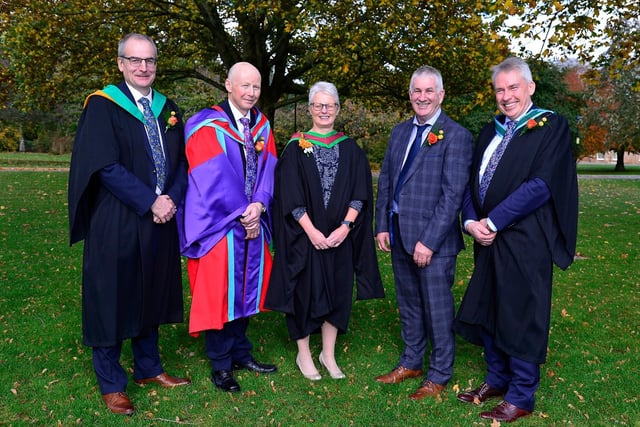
x=348, y=223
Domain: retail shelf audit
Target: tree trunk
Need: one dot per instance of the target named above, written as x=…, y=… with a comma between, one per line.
x=22, y=148
x=620, y=161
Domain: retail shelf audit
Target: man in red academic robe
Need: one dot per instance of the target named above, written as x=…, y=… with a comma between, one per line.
x=226, y=228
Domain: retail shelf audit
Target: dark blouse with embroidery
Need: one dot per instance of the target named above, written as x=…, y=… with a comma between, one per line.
x=327, y=163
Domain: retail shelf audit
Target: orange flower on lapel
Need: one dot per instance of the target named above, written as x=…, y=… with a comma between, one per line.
x=434, y=136
x=172, y=120
x=306, y=146
x=533, y=124
x=259, y=144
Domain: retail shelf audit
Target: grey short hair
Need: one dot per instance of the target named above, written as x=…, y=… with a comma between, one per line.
x=136, y=36
x=326, y=88
x=510, y=64
x=427, y=70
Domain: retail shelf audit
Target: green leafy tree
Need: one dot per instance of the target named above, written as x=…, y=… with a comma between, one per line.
x=552, y=92
x=580, y=28
x=64, y=49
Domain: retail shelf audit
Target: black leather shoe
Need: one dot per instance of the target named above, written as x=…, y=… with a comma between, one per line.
x=224, y=380
x=255, y=366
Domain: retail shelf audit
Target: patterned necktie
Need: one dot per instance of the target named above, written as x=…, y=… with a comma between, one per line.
x=495, y=159
x=154, y=141
x=413, y=153
x=252, y=161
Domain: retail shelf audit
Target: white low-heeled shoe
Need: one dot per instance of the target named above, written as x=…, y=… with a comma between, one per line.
x=336, y=375
x=314, y=376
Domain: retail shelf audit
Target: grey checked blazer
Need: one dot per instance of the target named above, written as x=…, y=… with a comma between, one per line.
x=430, y=200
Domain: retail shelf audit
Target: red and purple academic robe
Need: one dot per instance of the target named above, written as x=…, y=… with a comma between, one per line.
x=228, y=274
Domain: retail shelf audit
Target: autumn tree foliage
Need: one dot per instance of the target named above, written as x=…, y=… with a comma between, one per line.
x=64, y=49
x=611, y=120
x=54, y=52
x=612, y=107
x=582, y=29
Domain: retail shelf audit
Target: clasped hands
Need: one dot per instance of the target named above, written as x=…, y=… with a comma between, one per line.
x=333, y=240
x=163, y=209
x=250, y=219
x=481, y=232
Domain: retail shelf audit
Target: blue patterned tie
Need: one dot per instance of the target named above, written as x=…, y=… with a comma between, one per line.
x=252, y=161
x=154, y=141
x=413, y=153
x=495, y=159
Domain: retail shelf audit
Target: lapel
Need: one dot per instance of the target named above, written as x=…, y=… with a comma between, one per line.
x=144, y=137
x=399, y=153
x=424, y=149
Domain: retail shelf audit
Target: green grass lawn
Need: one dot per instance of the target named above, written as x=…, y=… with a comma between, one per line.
x=34, y=160
x=591, y=376
x=46, y=160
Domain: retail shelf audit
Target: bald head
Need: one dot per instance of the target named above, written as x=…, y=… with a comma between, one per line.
x=243, y=86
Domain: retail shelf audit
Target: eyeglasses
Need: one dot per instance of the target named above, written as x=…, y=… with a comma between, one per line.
x=319, y=107
x=136, y=62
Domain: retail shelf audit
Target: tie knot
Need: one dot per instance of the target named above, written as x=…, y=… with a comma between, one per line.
x=144, y=101
x=244, y=121
x=511, y=124
x=420, y=129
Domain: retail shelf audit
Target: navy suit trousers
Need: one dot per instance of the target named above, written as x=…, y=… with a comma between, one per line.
x=229, y=344
x=518, y=377
x=112, y=378
x=426, y=307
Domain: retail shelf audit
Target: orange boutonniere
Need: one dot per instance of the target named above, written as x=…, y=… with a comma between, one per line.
x=434, y=136
x=259, y=144
x=533, y=124
x=307, y=147
x=172, y=120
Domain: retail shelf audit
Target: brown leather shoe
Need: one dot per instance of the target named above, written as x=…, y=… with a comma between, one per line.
x=505, y=412
x=480, y=394
x=427, y=388
x=398, y=375
x=118, y=403
x=165, y=380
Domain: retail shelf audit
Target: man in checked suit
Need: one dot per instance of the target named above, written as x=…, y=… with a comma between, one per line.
x=419, y=197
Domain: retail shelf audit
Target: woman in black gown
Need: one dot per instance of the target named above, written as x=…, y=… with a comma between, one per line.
x=323, y=204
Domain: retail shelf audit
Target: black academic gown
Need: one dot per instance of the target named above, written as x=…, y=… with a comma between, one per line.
x=131, y=273
x=314, y=286
x=509, y=294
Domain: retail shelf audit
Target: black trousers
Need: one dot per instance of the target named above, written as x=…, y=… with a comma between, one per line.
x=229, y=344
